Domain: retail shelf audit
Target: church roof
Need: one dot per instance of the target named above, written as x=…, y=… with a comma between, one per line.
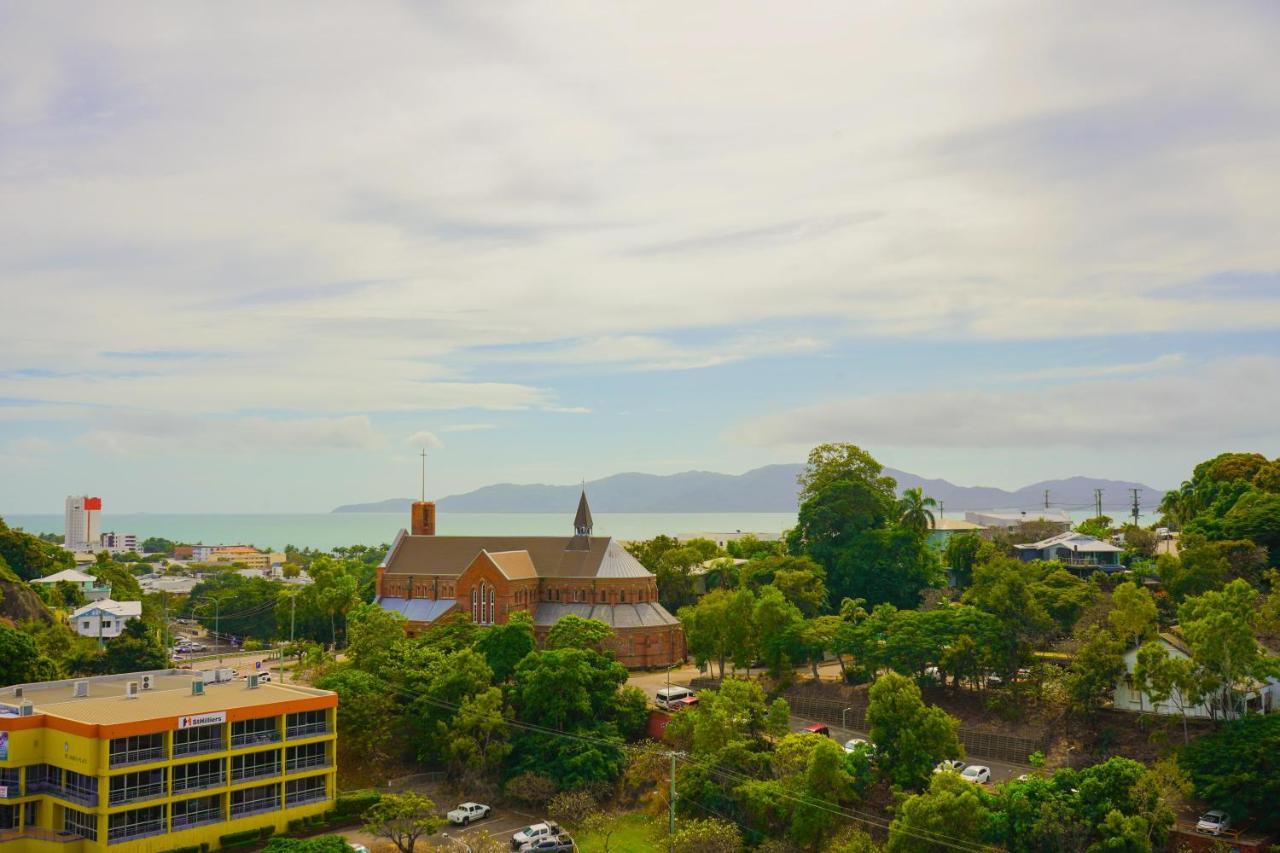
x=550, y=556
x=582, y=521
x=643, y=615
x=514, y=565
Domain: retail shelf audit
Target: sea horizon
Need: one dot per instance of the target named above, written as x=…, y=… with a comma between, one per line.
x=327, y=530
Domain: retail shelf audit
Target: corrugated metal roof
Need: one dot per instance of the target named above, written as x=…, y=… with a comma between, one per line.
x=618, y=563
x=115, y=608
x=66, y=575
x=1076, y=541
x=644, y=615
x=418, y=609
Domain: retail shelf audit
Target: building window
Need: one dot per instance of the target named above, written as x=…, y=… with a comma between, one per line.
x=263, y=798
x=85, y=625
x=309, y=790
x=255, y=731
x=306, y=724
x=136, y=823
x=305, y=756
x=198, y=775
x=79, y=823
x=475, y=614
x=137, y=749
x=201, y=810
x=130, y=787
x=198, y=739
x=106, y=623
x=493, y=598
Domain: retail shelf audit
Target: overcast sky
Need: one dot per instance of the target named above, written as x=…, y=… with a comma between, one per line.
x=255, y=255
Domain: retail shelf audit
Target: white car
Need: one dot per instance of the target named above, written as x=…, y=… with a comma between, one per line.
x=1215, y=822
x=467, y=812
x=976, y=773
x=536, y=832
x=357, y=848
x=854, y=743
x=948, y=765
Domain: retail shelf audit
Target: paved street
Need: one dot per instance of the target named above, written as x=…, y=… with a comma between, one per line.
x=501, y=824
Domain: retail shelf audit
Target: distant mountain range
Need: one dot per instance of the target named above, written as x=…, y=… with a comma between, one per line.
x=769, y=489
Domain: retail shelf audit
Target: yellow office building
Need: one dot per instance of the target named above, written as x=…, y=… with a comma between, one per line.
x=149, y=762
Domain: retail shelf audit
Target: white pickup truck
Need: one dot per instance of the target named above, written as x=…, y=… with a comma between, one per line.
x=467, y=812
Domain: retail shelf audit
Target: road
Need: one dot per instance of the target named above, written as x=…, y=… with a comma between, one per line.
x=501, y=824
x=652, y=682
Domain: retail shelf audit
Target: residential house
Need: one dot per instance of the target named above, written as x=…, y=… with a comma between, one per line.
x=1074, y=550
x=104, y=619
x=90, y=586
x=1256, y=696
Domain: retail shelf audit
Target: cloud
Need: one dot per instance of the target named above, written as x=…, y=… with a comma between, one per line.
x=649, y=353
x=1163, y=362
x=467, y=427
x=1224, y=401
x=129, y=434
x=424, y=438
x=31, y=446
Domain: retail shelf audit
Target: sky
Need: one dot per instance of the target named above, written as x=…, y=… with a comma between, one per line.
x=256, y=256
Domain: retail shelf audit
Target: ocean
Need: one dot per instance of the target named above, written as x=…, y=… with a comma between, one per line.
x=330, y=530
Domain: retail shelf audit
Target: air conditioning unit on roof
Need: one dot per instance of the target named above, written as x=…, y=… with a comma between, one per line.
x=132, y=690
x=148, y=681
x=81, y=689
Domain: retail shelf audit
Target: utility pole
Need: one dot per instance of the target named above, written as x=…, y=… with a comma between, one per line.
x=942, y=508
x=1046, y=498
x=1136, y=505
x=1097, y=499
x=671, y=809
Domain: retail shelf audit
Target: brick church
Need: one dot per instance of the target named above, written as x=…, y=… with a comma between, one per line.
x=425, y=577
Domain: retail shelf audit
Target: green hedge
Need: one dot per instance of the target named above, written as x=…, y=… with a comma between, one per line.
x=356, y=803
x=235, y=840
x=194, y=848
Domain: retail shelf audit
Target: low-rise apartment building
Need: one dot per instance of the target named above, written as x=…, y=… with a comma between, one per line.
x=148, y=762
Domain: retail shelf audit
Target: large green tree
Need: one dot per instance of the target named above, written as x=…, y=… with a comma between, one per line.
x=915, y=511
x=910, y=737
x=504, y=646
x=20, y=659
x=1237, y=768
x=951, y=812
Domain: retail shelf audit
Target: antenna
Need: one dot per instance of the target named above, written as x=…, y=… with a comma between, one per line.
x=424, y=474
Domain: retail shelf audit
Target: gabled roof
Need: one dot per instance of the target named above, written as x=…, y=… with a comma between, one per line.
x=70, y=575
x=1075, y=541
x=418, y=609
x=550, y=556
x=514, y=565
x=115, y=608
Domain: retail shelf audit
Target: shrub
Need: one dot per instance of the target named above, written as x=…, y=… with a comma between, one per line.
x=531, y=788
x=355, y=804
x=235, y=840
x=194, y=848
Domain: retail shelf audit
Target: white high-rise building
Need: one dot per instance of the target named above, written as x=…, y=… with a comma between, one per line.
x=83, y=523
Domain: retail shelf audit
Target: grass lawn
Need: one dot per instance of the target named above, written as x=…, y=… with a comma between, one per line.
x=635, y=833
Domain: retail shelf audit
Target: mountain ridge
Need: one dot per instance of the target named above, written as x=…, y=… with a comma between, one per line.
x=771, y=488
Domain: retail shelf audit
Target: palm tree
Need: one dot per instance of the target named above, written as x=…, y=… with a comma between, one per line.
x=916, y=511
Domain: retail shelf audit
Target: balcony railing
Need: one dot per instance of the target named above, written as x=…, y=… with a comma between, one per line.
x=11, y=790
x=297, y=799
x=307, y=730
x=197, y=783
x=138, y=792
x=252, y=738
x=255, y=806
x=293, y=765
x=196, y=747
x=79, y=796
x=136, y=830
x=259, y=771
x=137, y=756
x=198, y=818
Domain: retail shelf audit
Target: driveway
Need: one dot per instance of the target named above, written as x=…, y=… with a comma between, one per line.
x=501, y=824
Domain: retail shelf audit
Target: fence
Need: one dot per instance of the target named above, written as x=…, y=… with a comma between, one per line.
x=267, y=654
x=854, y=716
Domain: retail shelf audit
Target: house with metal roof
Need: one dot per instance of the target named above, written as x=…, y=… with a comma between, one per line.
x=92, y=589
x=104, y=619
x=426, y=577
x=1074, y=550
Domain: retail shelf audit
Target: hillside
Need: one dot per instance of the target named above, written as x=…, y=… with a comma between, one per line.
x=768, y=489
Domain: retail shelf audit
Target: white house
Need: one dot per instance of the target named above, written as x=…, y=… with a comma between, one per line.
x=87, y=584
x=104, y=619
x=1258, y=697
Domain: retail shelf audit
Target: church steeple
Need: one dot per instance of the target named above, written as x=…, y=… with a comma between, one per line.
x=582, y=521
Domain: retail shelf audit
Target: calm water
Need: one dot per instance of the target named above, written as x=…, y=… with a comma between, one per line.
x=328, y=530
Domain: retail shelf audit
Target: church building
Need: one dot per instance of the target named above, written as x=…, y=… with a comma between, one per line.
x=425, y=577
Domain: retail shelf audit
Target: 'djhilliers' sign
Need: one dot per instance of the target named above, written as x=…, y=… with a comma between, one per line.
x=202, y=720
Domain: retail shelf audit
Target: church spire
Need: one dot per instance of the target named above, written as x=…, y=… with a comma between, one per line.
x=582, y=521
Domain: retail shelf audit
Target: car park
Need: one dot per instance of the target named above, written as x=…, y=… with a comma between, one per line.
x=976, y=773
x=467, y=812
x=948, y=765
x=560, y=843
x=667, y=697
x=1214, y=822
x=534, y=832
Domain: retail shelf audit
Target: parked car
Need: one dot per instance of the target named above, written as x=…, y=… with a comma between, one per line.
x=948, y=765
x=854, y=743
x=818, y=729
x=467, y=812
x=554, y=844
x=686, y=702
x=536, y=832
x=667, y=697
x=357, y=848
x=1215, y=822
x=976, y=773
